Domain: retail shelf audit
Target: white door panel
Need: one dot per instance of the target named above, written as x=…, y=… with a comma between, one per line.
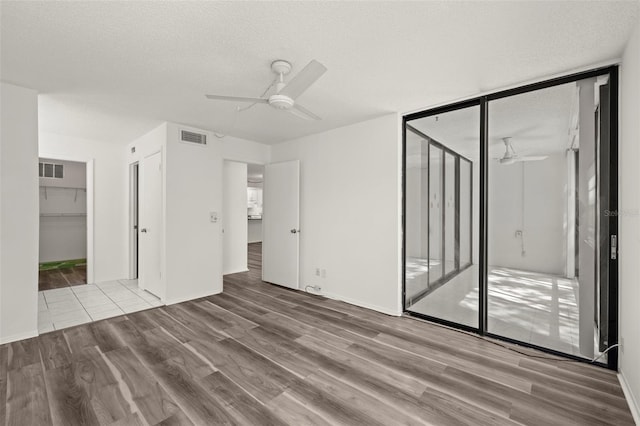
x=281, y=224
x=151, y=224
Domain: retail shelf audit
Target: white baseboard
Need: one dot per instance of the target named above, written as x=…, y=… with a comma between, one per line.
x=235, y=272
x=19, y=336
x=190, y=297
x=631, y=399
x=360, y=303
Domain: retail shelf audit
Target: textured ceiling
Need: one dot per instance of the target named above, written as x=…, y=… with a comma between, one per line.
x=112, y=70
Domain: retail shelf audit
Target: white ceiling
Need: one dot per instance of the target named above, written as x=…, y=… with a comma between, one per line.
x=112, y=70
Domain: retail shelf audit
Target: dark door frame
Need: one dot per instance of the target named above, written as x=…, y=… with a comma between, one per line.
x=611, y=219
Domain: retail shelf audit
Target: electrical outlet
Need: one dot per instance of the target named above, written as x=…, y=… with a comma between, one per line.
x=324, y=273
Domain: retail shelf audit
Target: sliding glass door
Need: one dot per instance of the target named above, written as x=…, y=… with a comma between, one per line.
x=508, y=225
x=441, y=280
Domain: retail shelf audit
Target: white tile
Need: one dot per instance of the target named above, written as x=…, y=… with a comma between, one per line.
x=42, y=306
x=62, y=308
x=109, y=284
x=129, y=283
x=107, y=314
x=137, y=301
x=120, y=296
x=135, y=308
x=57, y=294
x=97, y=300
x=44, y=316
x=45, y=327
x=149, y=297
x=69, y=316
x=86, y=289
x=101, y=308
x=70, y=323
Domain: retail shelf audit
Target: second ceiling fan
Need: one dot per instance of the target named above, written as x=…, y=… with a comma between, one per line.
x=510, y=156
x=286, y=94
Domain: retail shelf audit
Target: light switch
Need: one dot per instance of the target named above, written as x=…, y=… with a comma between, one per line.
x=213, y=217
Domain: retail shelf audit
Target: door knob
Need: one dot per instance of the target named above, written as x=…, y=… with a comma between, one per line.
x=295, y=231
x=144, y=230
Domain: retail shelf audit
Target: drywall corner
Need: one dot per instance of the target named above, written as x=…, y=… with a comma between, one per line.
x=19, y=216
x=193, y=194
x=629, y=220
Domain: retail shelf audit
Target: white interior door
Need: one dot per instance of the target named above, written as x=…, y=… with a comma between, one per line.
x=151, y=224
x=281, y=223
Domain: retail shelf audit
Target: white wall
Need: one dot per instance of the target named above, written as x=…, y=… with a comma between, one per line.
x=543, y=215
x=109, y=193
x=349, y=216
x=193, y=190
x=234, y=217
x=18, y=213
x=245, y=151
x=63, y=237
x=74, y=174
x=629, y=221
x=254, y=231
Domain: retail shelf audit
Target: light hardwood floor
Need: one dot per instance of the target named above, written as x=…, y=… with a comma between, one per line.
x=259, y=354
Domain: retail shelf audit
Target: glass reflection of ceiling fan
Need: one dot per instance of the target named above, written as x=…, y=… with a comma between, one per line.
x=510, y=156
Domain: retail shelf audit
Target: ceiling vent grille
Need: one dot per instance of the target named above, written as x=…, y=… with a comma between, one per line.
x=191, y=137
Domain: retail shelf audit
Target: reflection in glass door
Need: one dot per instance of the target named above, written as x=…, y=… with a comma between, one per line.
x=543, y=217
x=440, y=274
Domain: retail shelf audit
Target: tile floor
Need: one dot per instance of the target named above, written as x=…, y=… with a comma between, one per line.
x=69, y=306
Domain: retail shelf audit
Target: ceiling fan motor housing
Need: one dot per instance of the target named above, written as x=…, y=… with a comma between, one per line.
x=280, y=101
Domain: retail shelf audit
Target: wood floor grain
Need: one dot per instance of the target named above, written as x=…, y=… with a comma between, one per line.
x=259, y=354
x=59, y=278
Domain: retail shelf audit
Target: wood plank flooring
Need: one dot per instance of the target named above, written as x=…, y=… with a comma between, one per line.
x=261, y=354
x=58, y=278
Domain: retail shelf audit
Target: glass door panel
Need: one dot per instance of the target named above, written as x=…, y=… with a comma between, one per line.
x=446, y=141
x=543, y=217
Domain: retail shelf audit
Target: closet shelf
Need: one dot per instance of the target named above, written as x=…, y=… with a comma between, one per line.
x=75, y=198
x=63, y=214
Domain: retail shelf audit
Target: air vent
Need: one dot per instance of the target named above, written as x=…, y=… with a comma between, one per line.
x=51, y=170
x=192, y=137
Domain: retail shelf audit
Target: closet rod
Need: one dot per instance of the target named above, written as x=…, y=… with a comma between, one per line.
x=62, y=187
x=62, y=214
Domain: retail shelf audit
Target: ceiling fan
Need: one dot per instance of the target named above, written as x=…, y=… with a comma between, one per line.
x=286, y=94
x=511, y=157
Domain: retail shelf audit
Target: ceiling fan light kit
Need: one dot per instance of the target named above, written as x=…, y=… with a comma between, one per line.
x=285, y=95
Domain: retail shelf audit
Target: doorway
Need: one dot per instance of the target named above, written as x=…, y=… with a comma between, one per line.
x=63, y=224
x=255, y=186
x=542, y=177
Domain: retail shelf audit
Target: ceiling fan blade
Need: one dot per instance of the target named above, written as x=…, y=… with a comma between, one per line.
x=238, y=99
x=532, y=158
x=302, y=112
x=304, y=79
